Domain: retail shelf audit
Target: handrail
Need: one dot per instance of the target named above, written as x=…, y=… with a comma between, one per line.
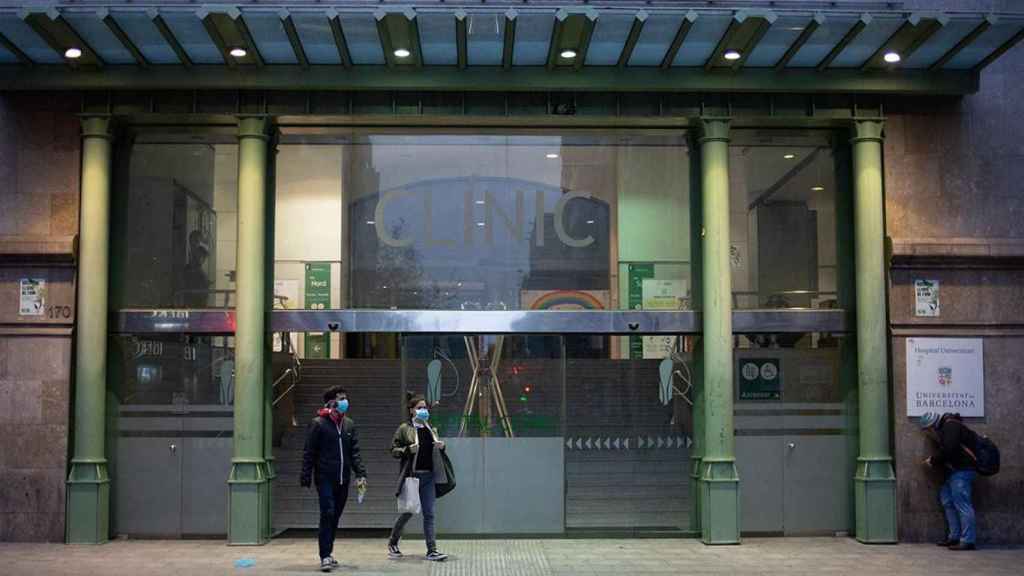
x=282, y=377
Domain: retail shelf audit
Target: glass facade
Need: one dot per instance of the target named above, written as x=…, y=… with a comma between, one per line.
x=552, y=433
x=174, y=222
x=513, y=221
x=783, y=191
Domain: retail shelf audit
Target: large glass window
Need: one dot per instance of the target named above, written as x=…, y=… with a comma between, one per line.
x=783, y=191
x=174, y=215
x=481, y=221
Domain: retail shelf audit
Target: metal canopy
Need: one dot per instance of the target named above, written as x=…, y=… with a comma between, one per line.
x=498, y=45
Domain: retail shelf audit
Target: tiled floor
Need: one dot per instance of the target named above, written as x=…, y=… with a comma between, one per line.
x=590, y=557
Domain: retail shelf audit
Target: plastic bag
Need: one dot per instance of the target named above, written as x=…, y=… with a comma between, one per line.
x=409, y=498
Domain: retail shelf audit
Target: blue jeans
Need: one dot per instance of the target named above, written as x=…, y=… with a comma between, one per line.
x=955, y=497
x=332, y=503
x=427, y=499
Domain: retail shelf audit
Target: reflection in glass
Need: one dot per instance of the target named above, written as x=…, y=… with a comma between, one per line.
x=173, y=229
x=783, y=217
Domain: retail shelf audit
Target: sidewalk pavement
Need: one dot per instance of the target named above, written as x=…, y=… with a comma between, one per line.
x=586, y=557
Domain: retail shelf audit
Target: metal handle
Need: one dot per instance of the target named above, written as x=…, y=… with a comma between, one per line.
x=791, y=445
x=174, y=448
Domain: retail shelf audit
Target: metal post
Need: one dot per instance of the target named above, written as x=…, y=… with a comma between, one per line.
x=88, y=486
x=248, y=482
x=874, y=481
x=720, y=484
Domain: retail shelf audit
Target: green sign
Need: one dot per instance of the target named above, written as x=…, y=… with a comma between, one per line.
x=760, y=379
x=637, y=273
x=318, y=297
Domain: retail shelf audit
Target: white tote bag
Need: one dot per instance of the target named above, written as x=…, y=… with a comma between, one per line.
x=409, y=498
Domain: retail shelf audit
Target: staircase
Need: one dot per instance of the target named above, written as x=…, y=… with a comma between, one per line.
x=375, y=395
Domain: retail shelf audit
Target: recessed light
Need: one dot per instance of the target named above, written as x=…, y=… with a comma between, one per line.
x=568, y=54
x=371, y=222
x=480, y=224
x=732, y=55
x=402, y=53
x=73, y=53
x=789, y=156
x=479, y=202
x=590, y=221
x=551, y=156
x=238, y=52
x=892, y=57
x=817, y=188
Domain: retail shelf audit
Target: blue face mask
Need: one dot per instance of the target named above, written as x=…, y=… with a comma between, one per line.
x=342, y=406
x=423, y=414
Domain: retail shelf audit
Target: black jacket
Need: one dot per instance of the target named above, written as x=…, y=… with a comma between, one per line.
x=953, y=436
x=322, y=455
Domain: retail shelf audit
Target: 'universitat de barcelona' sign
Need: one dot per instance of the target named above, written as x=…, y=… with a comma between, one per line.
x=945, y=375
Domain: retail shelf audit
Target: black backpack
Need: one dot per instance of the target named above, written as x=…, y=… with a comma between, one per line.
x=985, y=455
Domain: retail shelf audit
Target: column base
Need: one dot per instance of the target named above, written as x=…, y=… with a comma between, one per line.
x=695, y=494
x=720, y=501
x=874, y=488
x=88, y=502
x=249, y=495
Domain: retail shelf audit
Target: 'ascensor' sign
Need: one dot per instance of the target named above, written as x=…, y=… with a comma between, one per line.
x=945, y=375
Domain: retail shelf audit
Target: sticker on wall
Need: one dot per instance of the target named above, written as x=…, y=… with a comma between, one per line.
x=760, y=379
x=33, y=297
x=926, y=298
x=945, y=375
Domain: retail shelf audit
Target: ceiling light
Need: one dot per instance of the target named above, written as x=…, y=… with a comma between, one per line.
x=551, y=156
x=732, y=55
x=238, y=52
x=479, y=202
x=371, y=222
x=73, y=53
x=789, y=156
x=817, y=188
x=590, y=221
x=480, y=224
x=891, y=57
x=402, y=53
x=568, y=54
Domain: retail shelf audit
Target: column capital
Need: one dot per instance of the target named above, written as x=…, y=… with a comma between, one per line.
x=97, y=126
x=714, y=129
x=868, y=130
x=254, y=126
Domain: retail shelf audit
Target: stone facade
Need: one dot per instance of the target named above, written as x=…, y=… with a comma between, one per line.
x=39, y=173
x=954, y=208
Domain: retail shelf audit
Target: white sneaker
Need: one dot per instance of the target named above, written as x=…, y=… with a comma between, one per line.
x=326, y=564
x=435, y=556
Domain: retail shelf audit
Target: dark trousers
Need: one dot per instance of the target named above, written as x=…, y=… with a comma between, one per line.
x=332, y=503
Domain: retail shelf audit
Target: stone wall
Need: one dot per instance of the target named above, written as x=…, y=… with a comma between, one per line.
x=39, y=174
x=954, y=206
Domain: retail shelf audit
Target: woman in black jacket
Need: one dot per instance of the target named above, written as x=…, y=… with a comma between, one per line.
x=416, y=444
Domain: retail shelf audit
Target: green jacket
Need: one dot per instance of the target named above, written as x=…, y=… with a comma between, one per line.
x=405, y=445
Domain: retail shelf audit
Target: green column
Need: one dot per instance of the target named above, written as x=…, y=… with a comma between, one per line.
x=248, y=480
x=88, y=487
x=720, y=483
x=874, y=481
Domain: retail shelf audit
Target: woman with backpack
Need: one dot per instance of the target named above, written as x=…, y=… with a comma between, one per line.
x=957, y=458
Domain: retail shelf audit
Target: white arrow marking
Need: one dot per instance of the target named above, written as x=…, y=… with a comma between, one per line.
x=568, y=443
x=689, y=442
x=607, y=443
x=579, y=443
x=661, y=443
x=650, y=442
x=588, y=444
x=626, y=443
x=618, y=443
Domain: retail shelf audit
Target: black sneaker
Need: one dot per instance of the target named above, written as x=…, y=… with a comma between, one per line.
x=393, y=551
x=334, y=563
x=963, y=546
x=947, y=543
x=435, y=556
